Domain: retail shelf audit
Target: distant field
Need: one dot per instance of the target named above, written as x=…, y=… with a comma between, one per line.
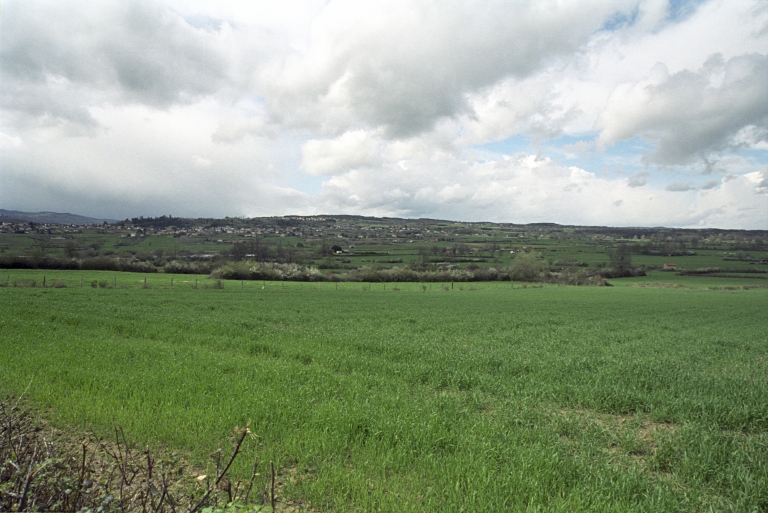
x=479, y=398
x=455, y=247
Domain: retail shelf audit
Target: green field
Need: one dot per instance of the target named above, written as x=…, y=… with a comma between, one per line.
x=384, y=397
x=421, y=244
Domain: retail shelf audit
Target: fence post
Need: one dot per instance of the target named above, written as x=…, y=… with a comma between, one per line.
x=81, y=282
x=171, y=282
x=114, y=283
x=43, y=281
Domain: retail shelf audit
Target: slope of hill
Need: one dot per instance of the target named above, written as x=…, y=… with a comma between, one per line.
x=49, y=217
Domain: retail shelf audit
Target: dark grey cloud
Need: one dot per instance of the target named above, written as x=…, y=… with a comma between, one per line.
x=695, y=115
x=215, y=191
x=681, y=187
x=57, y=58
x=709, y=117
x=405, y=65
x=638, y=179
x=762, y=185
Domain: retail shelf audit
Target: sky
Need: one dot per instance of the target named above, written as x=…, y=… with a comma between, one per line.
x=588, y=112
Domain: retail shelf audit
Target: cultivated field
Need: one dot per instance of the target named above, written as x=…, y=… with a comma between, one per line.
x=484, y=397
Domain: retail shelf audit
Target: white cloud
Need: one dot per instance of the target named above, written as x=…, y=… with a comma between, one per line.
x=201, y=161
x=356, y=148
x=59, y=58
x=142, y=159
x=527, y=188
x=7, y=141
x=235, y=129
x=689, y=116
x=226, y=108
x=404, y=65
x=621, y=58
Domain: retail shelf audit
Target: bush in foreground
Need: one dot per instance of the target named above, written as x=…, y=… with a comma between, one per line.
x=45, y=470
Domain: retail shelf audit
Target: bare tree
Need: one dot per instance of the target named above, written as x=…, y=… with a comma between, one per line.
x=70, y=248
x=621, y=258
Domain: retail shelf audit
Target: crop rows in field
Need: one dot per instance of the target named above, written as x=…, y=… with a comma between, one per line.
x=555, y=398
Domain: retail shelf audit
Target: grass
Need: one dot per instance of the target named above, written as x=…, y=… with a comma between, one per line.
x=702, y=281
x=492, y=399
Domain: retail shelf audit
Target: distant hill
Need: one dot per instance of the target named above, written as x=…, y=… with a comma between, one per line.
x=49, y=217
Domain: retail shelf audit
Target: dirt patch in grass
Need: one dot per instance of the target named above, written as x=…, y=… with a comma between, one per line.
x=628, y=438
x=742, y=287
x=664, y=286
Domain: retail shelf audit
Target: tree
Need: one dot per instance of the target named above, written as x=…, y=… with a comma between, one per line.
x=259, y=249
x=526, y=266
x=325, y=248
x=70, y=248
x=621, y=258
x=238, y=251
x=494, y=247
x=292, y=255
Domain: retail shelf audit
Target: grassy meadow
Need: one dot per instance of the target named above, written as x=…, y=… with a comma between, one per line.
x=389, y=397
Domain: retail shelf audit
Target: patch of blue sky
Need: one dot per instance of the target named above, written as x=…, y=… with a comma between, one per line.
x=681, y=9
x=204, y=22
x=580, y=151
x=620, y=19
x=678, y=11
x=571, y=150
x=495, y=149
x=303, y=182
x=756, y=155
x=253, y=104
x=628, y=153
x=621, y=160
x=287, y=159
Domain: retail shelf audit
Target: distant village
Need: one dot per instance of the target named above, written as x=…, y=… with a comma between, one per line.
x=384, y=230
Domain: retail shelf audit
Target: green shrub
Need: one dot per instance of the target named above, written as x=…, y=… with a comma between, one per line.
x=177, y=267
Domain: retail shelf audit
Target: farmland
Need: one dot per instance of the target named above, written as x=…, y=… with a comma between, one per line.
x=341, y=244
x=480, y=397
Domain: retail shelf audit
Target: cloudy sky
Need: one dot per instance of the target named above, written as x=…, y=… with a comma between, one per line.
x=591, y=112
